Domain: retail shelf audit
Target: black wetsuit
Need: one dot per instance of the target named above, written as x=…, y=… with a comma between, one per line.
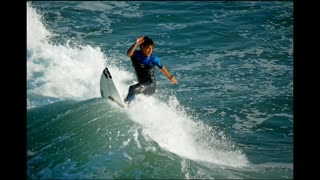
x=144, y=67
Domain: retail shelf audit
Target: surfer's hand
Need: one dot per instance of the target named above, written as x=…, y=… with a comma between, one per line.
x=139, y=40
x=173, y=80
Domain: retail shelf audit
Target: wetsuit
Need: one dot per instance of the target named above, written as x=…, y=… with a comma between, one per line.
x=144, y=67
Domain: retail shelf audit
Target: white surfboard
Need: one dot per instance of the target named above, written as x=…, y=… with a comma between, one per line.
x=109, y=90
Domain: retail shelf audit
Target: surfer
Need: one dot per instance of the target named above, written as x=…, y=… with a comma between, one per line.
x=144, y=61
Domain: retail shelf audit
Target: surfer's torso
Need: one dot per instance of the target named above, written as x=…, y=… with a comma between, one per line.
x=144, y=66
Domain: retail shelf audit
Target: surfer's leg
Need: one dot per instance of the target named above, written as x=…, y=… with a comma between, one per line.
x=149, y=88
x=144, y=88
x=133, y=91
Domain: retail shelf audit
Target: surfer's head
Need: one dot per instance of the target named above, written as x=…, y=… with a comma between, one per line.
x=147, y=46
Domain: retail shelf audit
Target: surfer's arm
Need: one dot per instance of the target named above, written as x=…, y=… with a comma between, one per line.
x=169, y=76
x=131, y=49
x=139, y=40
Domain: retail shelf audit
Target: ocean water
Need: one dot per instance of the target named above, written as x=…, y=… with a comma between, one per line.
x=229, y=117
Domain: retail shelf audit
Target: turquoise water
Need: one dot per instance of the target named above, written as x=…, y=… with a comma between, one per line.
x=229, y=117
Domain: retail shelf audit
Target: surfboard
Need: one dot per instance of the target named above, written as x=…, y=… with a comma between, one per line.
x=109, y=90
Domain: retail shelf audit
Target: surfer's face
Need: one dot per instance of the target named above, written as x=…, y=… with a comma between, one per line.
x=147, y=50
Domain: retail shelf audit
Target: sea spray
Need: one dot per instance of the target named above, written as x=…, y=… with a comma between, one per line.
x=167, y=124
x=59, y=70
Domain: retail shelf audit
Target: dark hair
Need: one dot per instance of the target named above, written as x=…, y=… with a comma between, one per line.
x=147, y=41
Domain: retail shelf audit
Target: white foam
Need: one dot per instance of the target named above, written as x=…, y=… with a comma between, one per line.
x=58, y=70
x=169, y=126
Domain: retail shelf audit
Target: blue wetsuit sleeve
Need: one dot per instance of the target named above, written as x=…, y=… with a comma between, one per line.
x=156, y=62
